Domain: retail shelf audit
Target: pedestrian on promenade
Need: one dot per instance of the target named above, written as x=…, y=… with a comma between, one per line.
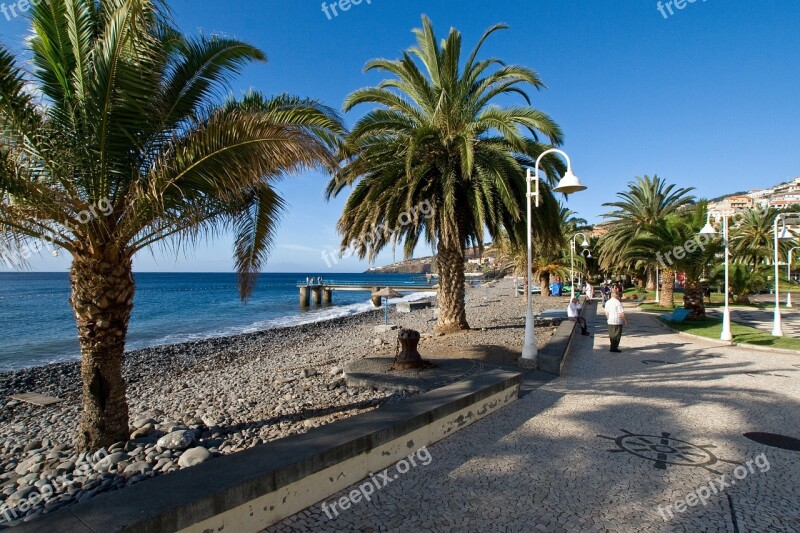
x=615, y=316
x=574, y=314
x=619, y=288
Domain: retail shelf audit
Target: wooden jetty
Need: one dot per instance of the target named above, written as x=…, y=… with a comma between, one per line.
x=322, y=293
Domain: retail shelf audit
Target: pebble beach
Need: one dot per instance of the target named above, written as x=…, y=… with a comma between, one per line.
x=192, y=402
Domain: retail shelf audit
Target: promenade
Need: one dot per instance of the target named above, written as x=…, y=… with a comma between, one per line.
x=623, y=442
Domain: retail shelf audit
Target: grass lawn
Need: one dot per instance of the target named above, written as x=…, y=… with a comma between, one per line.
x=717, y=300
x=655, y=308
x=712, y=329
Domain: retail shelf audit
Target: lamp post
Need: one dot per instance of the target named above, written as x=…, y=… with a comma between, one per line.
x=658, y=286
x=569, y=184
x=726, y=315
x=777, y=326
x=585, y=245
x=789, y=276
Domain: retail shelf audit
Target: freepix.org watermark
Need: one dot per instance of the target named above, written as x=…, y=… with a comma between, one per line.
x=714, y=487
x=376, y=482
x=102, y=208
x=13, y=10
x=333, y=9
x=424, y=209
x=49, y=490
x=666, y=7
x=699, y=242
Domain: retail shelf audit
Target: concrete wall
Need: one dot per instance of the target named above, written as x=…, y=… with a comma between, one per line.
x=553, y=357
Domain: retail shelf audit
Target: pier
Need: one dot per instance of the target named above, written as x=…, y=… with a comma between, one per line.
x=322, y=293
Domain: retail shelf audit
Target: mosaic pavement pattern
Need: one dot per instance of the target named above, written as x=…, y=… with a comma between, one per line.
x=621, y=443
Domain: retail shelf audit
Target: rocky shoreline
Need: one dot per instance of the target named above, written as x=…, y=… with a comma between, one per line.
x=194, y=401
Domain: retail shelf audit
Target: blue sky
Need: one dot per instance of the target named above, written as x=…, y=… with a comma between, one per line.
x=706, y=97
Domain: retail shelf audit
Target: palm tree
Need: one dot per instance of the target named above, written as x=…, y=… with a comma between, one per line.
x=439, y=137
x=743, y=281
x=752, y=236
x=680, y=231
x=116, y=144
x=646, y=202
x=551, y=256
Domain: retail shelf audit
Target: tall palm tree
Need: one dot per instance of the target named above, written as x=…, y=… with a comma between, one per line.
x=646, y=202
x=120, y=113
x=439, y=136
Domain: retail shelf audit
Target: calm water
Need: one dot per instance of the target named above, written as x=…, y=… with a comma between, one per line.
x=37, y=326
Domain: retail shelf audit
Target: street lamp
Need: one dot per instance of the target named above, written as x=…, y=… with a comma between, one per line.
x=789, y=276
x=785, y=235
x=658, y=286
x=726, y=315
x=585, y=245
x=569, y=184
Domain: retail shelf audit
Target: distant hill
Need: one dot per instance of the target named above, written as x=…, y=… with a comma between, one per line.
x=721, y=198
x=412, y=266
x=424, y=265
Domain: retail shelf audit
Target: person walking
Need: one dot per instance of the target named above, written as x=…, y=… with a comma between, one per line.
x=615, y=316
x=589, y=291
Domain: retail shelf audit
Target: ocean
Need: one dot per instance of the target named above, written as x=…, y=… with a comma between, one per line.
x=37, y=326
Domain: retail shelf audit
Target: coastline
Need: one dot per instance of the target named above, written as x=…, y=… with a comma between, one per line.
x=168, y=309
x=231, y=393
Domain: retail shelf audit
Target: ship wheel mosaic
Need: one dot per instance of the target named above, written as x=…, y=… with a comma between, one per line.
x=666, y=450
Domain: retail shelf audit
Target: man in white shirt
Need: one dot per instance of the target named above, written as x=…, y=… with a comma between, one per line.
x=574, y=314
x=615, y=316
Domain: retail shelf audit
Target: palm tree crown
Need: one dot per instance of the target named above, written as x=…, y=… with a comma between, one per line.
x=117, y=142
x=437, y=136
x=646, y=202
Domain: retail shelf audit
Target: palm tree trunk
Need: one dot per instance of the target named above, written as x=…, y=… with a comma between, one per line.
x=651, y=279
x=544, y=283
x=102, y=299
x=667, y=296
x=693, y=299
x=452, y=308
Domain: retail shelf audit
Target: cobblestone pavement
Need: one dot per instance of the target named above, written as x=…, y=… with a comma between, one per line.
x=606, y=446
x=763, y=319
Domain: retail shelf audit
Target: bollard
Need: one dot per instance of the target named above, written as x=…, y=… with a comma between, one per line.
x=407, y=357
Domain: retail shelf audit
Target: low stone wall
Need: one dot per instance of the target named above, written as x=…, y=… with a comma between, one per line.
x=250, y=490
x=553, y=357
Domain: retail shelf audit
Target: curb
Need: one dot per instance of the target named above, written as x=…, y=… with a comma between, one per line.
x=743, y=346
